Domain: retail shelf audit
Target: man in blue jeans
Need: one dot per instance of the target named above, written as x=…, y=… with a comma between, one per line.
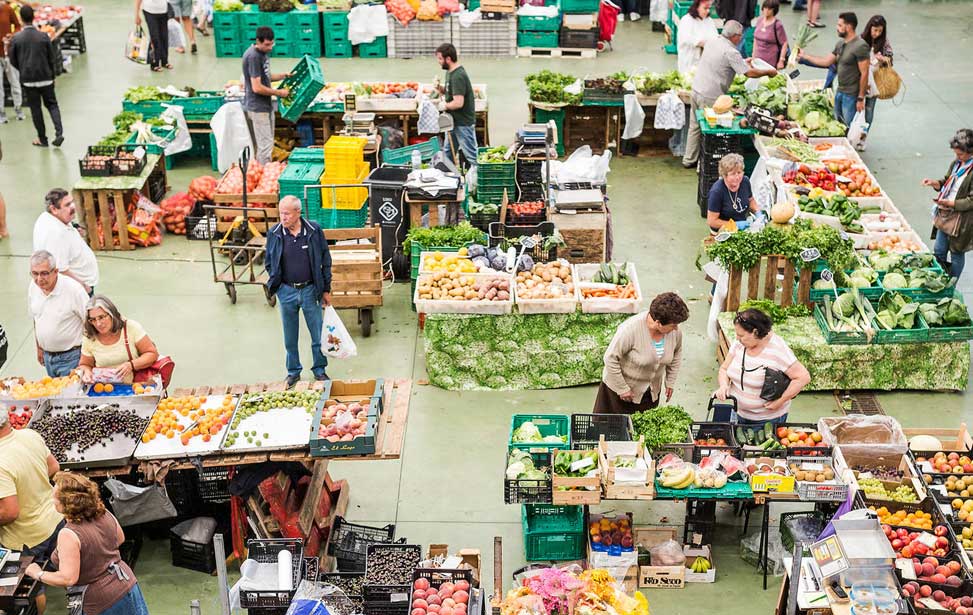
x=58, y=306
x=851, y=55
x=460, y=103
x=299, y=273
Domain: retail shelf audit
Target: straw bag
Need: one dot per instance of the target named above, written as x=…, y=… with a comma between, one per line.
x=887, y=82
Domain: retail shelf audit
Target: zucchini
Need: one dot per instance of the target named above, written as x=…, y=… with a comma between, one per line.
x=751, y=438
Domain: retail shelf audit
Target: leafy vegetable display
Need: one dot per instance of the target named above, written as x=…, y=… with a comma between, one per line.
x=520, y=466
x=493, y=154
x=777, y=313
x=442, y=236
x=744, y=250
x=948, y=312
x=124, y=120
x=484, y=208
x=548, y=86
x=141, y=93
x=657, y=83
x=528, y=432
x=848, y=211
x=849, y=312
x=585, y=462
x=228, y=5
x=799, y=150
x=771, y=94
x=662, y=425
x=927, y=279
x=882, y=260
x=896, y=311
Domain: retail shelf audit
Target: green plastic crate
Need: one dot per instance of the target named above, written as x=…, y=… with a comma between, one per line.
x=311, y=48
x=548, y=425
x=214, y=152
x=339, y=218
x=537, y=39
x=229, y=49
x=731, y=491
x=337, y=49
x=335, y=21
x=403, y=155
x=527, y=23
x=542, y=116
x=375, y=49
x=226, y=21
x=553, y=533
x=848, y=338
x=305, y=82
x=949, y=334
x=148, y=108
x=284, y=50
x=507, y=168
x=579, y=6
x=903, y=336
x=298, y=174
x=307, y=154
x=921, y=295
x=202, y=106
x=706, y=129
x=416, y=250
x=152, y=148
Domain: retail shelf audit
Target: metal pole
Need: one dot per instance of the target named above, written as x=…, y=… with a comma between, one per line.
x=224, y=591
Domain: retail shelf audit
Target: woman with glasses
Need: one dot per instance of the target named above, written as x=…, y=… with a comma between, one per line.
x=113, y=342
x=758, y=354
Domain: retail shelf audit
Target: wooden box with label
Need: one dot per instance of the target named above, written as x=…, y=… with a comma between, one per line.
x=658, y=576
x=584, y=236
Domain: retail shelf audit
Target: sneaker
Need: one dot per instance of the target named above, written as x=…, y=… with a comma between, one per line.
x=621, y=17
x=58, y=141
x=19, y=113
x=861, y=146
x=634, y=16
x=322, y=377
x=291, y=381
x=3, y=118
x=193, y=49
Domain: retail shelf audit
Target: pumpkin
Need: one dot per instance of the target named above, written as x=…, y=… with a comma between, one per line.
x=723, y=104
x=925, y=443
x=781, y=213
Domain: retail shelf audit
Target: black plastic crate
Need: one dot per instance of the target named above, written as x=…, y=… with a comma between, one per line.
x=438, y=576
x=718, y=431
x=156, y=186
x=181, y=487
x=381, y=608
x=200, y=224
x=526, y=220
x=500, y=234
x=483, y=221
x=579, y=39
x=132, y=547
x=311, y=568
x=391, y=595
x=412, y=556
x=587, y=429
x=214, y=485
x=529, y=491
x=193, y=555
x=351, y=583
x=719, y=144
x=97, y=168
x=349, y=543
x=265, y=551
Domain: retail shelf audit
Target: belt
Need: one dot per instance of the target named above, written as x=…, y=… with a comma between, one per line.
x=65, y=351
x=299, y=285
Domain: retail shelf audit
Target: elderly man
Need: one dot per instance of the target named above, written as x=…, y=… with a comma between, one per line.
x=54, y=231
x=299, y=270
x=28, y=520
x=720, y=63
x=57, y=305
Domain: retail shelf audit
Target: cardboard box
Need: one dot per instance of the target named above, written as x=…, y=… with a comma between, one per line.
x=658, y=577
x=700, y=577
x=772, y=483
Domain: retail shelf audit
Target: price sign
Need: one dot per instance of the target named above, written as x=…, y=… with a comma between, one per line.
x=794, y=74
x=810, y=255
x=721, y=237
x=827, y=276
x=829, y=556
x=843, y=235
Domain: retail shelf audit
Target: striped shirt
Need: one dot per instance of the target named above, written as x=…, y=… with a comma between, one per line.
x=660, y=347
x=777, y=355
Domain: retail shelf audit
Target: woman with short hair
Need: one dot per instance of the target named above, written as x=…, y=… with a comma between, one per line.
x=769, y=36
x=644, y=355
x=954, y=212
x=731, y=196
x=113, y=342
x=87, y=551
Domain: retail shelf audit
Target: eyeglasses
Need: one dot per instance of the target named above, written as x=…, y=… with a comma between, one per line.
x=42, y=274
x=99, y=318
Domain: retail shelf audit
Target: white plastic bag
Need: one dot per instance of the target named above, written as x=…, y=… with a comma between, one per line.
x=336, y=340
x=428, y=122
x=137, y=46
x=634, y=117
x=670, y=112
x=183, y=140
x=366, y=23
x=177, y=36
x=658, y=10
x=858, y=128
x=229, y=125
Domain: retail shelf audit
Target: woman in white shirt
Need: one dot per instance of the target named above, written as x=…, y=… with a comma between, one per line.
x=695, y=28
x=156, y=20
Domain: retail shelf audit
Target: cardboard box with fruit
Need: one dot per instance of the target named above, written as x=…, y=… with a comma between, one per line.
x=769, y=475
x=792, y=439
x=658, y=574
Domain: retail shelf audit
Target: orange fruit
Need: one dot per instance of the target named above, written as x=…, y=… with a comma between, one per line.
x=109, y=387
x=99, y=387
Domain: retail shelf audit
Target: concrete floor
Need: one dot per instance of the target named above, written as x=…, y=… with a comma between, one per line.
x=455, y=441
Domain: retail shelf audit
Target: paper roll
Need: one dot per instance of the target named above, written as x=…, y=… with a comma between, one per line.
x=285, y=578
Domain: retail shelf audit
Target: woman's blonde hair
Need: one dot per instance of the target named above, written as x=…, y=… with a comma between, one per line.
x=78, y=496
x=730, y=163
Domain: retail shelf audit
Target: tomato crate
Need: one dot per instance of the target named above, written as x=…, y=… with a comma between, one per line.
x=553, y=533
x=717, y=431
x=529, y=491
x=305, y=82
x=587, y=429
x=265, y=551
x=349, y=543
x=557, y=425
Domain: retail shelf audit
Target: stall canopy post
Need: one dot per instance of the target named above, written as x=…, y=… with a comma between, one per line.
x=221, y=574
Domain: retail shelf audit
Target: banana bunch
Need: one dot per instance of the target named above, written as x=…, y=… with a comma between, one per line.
x=677, y=477
x=700, y=565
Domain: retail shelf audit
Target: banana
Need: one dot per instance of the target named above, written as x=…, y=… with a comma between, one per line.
x=671, y=478
x=690, y=479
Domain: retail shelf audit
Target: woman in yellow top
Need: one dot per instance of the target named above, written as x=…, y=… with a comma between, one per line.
x=112, y=342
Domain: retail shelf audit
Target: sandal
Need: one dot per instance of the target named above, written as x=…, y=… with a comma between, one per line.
x=815, y=24
x=169, y=66
x=38, y=143
x=156, y=69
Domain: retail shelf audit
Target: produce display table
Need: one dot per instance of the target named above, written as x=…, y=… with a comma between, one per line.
x=327, y=123
x=765, y=500
x=98, y=196
x=517, y=351
x=886, y=367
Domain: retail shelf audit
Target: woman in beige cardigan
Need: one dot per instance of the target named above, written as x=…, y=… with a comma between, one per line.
x=644, y=355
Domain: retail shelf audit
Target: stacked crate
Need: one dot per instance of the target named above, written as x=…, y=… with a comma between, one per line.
x=494, y=178
x=419, y=40
x=579, y=38
x=539, y=31
x=305, y=166
x=486, y=37
x=227, y=33
x=344, y=163
x=375, y=49
x=336, y=43
x=295, y=33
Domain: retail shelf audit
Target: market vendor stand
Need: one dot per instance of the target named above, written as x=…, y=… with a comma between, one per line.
x=326, y=119
x=104, y=201
x=18, y=598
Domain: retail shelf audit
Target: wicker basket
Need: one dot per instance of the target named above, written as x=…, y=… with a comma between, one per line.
x=887, y=82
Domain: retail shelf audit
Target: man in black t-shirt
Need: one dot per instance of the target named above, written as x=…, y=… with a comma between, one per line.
x=257, y=101
x=459, y=103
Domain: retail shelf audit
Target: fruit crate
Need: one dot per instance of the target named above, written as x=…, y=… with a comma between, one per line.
x=486, y=37
x=790, y=451
x=502, y=235
x=418, y=39
x=100, y=167
x=375, y=49
x=403, y=155
x=529, y=491
x=587, y=429
x=349, y=543
x=570, y=490
x=265, y=551
x=851, y=338
x=526, y=220
x=214, y=485
x=916, y=335
x=298, y=174
x=305, y=82
x=834, y=491
x=197, y=556
x=411, y=556
x=360, y=445
x=531, y=38
x=553, y=533
x=351, y=583
x=733, y=490
x=548, y=425
x=790, y=524
x=722, y=431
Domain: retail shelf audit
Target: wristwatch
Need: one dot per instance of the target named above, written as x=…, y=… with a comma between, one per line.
x=861, y=98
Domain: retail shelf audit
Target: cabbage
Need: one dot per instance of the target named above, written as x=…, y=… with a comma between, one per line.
x=844, y=305
x=895, y=280
x=821, y=285
x=813, y=120
x=865, y=272
x=475, y=250
x=856, y=281
x=558, y=439
x=883, y=261
x=534, y=475
x=527, y=432
x=514, y=470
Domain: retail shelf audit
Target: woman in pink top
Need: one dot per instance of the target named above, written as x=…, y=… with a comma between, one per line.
x=769, y=37
x=742, y=373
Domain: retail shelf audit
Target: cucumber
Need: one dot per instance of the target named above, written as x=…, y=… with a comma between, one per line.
x=751, y=438
x=761, y=436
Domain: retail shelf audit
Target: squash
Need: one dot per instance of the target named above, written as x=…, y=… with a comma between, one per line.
x=925, y=443
x=781, y=213
x=723, y=104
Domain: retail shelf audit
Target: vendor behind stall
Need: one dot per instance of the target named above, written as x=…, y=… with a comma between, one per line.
x=112, y=342
x=644, y=354
x=28, y=521
x=730, y=197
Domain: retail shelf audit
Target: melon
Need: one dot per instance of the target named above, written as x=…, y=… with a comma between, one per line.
x=723, y=104
x=781, y=213
x=925, y=443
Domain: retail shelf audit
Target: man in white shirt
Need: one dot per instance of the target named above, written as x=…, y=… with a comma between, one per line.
x=58, y=305
x=55, y=233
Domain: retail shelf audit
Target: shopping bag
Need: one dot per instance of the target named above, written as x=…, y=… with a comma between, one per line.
x=670, y=112
x=337, y=341
x=428, y=122
x=858, y=128
x=229, y=126
x=133, y=505
x=137, y=46
x=634, y=117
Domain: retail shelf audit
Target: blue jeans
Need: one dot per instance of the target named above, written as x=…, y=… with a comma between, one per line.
x=61, y=363
x=131, y=603
x=870, y=111
x=957, y=259
x=832, y=73
x=292, y=301
x=844, y=107
x=465, y=136
x=739, y=420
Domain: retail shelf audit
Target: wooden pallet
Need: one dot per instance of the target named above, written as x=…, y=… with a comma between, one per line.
x=356, y=269
x=96, y=207
x=555, y=52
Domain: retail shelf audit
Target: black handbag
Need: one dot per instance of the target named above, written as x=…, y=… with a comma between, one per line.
x=775, y=381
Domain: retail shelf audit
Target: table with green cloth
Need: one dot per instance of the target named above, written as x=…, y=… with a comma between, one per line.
x=517, y=351
x=931, y=366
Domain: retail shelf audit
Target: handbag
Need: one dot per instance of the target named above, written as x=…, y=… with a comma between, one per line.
x=947, y=220
x=775, y=381
x=133, y=505
x=137, y=46
x=887, y=82
x=163, y=366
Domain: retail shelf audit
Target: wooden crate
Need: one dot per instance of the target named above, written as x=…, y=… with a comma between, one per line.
x=356, y=270
x=626, y=492
x=953, y=440
x=761, y=283
x=574, y=498
x=584, y=236
x=106, y=208
x=498, y=6
x=598, y=127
